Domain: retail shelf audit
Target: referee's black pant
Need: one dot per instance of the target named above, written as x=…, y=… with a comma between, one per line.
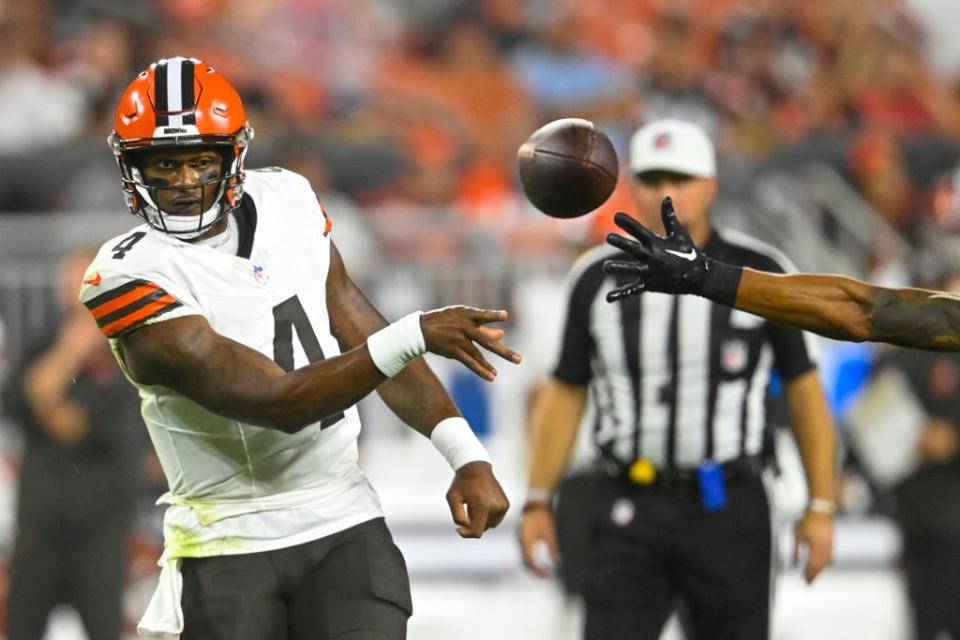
x=653, y=545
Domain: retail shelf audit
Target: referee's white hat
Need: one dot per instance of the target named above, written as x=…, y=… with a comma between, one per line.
x=673, y=145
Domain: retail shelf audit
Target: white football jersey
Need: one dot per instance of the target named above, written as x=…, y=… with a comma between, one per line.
x=236, y=487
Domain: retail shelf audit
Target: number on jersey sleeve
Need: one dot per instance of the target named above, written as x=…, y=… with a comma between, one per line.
x=124, y=246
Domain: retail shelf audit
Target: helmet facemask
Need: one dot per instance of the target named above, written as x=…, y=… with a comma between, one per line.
x=144, y=197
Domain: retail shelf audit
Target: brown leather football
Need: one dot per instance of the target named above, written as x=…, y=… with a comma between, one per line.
x=568, y=168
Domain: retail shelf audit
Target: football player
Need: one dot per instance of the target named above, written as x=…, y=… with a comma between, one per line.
x=833, y=306
x=230, y=310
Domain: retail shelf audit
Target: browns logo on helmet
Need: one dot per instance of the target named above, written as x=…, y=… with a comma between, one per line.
x=180, y=103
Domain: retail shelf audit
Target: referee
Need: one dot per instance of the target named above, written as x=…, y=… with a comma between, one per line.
x=679, y=509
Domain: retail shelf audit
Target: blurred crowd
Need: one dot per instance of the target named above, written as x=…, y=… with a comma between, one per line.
x=416, y=102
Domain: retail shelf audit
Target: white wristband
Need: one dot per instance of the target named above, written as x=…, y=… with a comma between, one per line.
x=535, y=494
x=822, y=505
x=396, y=345
x=455, y=440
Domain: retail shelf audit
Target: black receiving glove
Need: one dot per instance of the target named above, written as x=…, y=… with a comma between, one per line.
x=672, y=264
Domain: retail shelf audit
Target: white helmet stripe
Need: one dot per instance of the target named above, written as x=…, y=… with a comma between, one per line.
x=174, y=94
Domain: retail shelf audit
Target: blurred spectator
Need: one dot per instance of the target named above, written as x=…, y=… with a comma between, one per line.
x=879, y=171
x=564, y=78
x=672, y=86
x=81, y=471
x=3, y=351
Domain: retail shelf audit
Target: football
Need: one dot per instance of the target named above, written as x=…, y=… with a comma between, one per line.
x=568, y=168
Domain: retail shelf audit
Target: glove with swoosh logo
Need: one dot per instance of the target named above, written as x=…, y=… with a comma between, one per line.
x=672, y=264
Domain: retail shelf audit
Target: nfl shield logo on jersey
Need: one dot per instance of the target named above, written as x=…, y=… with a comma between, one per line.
x=260, y=275
x=733, y=356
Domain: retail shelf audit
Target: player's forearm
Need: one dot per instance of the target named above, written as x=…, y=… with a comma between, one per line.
x=847, y=309
x=832, y=306
x=554, y=420
x=304, y=396
x=416, y=396
x=814, y=434
x=233, y=380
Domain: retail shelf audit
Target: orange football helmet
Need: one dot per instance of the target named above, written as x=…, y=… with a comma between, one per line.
x=180, y=102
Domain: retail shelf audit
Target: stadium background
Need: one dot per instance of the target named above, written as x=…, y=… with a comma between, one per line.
x=837, y=123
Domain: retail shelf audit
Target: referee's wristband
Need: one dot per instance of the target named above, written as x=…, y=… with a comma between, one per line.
x=822, y=506
x=721, y=282
x=536, y=505
x=396, y=345
x=455, y=440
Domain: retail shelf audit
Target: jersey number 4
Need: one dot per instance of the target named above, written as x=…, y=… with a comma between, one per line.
x=288, y=315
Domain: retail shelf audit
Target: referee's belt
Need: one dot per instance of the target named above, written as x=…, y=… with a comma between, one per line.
x=643, y=472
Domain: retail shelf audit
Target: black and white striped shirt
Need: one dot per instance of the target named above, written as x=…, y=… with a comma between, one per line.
x=676, y=379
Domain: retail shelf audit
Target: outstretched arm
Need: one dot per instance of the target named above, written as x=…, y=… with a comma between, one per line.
x=847, y=309
x=833, y=306
x=233, y=380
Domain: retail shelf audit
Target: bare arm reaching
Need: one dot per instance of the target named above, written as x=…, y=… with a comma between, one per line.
x=833, y=306
x=847, y=309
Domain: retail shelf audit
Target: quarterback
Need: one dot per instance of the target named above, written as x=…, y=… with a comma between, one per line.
x=231, y=312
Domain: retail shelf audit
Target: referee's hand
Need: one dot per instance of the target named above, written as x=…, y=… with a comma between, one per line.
x=538, y=530
x=813, y=533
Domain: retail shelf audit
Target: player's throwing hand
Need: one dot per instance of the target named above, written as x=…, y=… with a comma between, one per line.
x=455, y=332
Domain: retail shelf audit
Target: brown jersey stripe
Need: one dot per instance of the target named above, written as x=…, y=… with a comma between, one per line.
x=136, y=305
x=106, y=296
x=123, y=300
x=131, y=321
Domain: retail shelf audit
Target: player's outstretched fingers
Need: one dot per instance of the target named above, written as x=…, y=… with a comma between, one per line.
x=473, y=352
x=626, y=291
x=670, y=223
x=486, y=316
x=633, y=268
x=628, y=245
x=634, y=228
x=487, y=372
x=489, y=339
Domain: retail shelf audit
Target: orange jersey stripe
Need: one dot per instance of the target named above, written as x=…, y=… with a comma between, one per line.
x=121, y=301
x=143, y=313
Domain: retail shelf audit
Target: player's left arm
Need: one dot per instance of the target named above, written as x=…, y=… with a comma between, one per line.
x=418, y=398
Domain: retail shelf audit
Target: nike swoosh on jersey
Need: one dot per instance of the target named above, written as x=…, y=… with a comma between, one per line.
x=690, y=255
x=95, y=280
